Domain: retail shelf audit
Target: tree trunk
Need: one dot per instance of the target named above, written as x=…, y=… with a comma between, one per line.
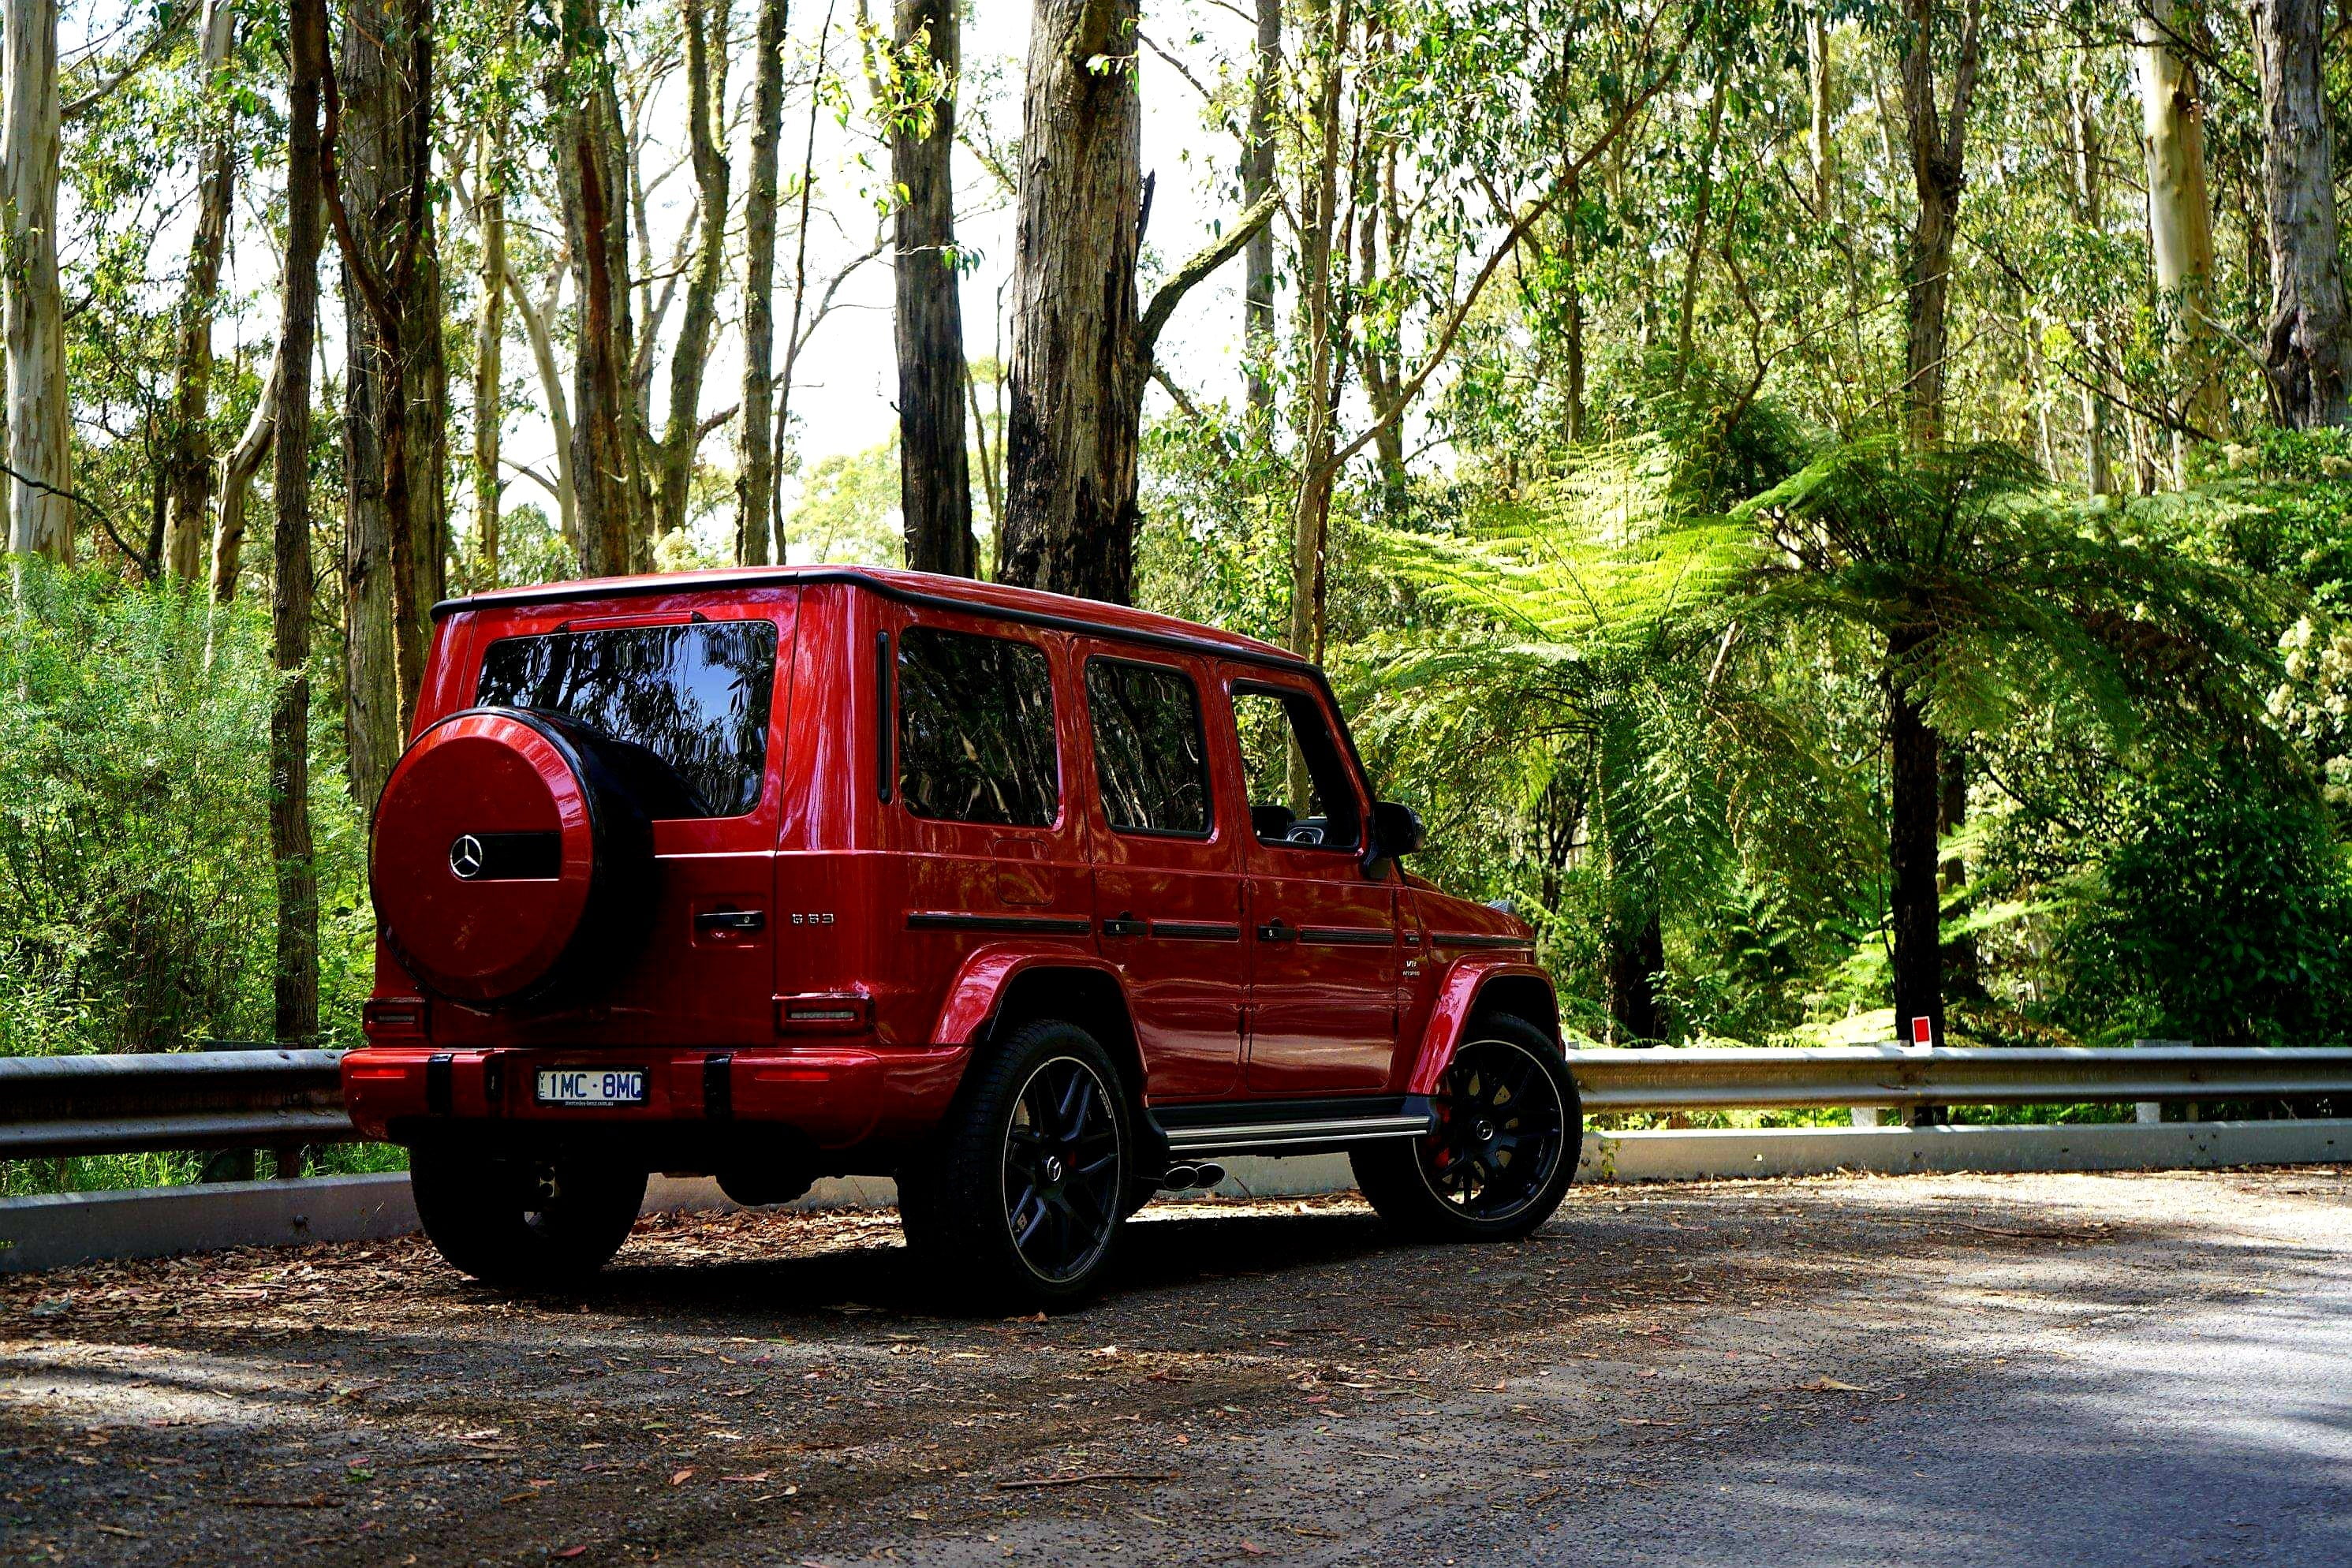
x=1700, y=214
x=2090, y=210
x=2180, y=212
x=395, y=387
x=2305, y=351
x=1911, y=856
x=934, y=466
x=1637, y=955
x=1817, y=138
x=706, y=96
x=1071, y=442
x=242, y=462
x=535, y=314
x=489, y=346
x=40, y=429
x=1310, y=520
x=1572, y=308
x=755, y=490
x=1938, y=145
x=188, y=457
x=1257, y=182
x=297, y=966
x=595, y=216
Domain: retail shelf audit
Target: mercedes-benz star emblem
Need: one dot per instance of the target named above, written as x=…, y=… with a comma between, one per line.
x=466, y=857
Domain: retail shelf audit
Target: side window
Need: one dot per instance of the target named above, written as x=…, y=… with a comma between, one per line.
x=1149, y=754
x=1298, y=788
x=976, y=730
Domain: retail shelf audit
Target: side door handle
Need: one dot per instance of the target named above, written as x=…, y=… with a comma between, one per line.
x=715, y=923
x=1124, y=924
x=1274, y=931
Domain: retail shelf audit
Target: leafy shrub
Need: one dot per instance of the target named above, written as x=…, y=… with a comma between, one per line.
x=137, y=888
x=2223, y=915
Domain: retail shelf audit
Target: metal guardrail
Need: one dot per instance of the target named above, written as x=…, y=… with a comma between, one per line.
x=224, y=1099
x=180, y=1100
x=1747, y=1079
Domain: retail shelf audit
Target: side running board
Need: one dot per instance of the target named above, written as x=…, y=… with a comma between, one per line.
x=1292, y=1127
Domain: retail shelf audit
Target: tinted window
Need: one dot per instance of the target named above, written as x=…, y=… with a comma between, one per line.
x=685, y=707
x=1298, y=788
x=976, y=730
x=1149, y=752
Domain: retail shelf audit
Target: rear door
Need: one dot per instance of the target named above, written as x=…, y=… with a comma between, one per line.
x=1167, y=885
x=1322, y=936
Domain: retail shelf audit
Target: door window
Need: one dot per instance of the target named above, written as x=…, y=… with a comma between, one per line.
x=976, y=730
x=1150, y=758
x=1299, y=792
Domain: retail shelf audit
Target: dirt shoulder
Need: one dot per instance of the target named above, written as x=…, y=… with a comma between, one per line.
x=1265, y=1381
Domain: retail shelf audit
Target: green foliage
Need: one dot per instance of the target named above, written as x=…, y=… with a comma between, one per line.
x=137, y=891
x=2223, y=914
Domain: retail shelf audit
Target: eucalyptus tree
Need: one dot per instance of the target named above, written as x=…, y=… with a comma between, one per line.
x=706, y=49
x=2305, y=350
x=755, y=488
x=39, y=418
x=188, y=458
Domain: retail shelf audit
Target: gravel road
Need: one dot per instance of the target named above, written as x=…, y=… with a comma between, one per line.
x=1984, y=1370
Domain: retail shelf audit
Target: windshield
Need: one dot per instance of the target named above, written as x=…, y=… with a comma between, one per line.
x=687, y=705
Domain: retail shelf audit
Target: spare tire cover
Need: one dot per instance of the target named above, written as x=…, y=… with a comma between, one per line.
x=504, y=854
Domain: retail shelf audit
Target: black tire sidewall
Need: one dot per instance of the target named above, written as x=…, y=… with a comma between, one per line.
x=475, y=1212
x=952, y=1200
x=1394, y=1179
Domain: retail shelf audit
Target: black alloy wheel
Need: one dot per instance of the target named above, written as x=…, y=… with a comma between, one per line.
x=1062, y=1170
x=1015, y=1201
x=1509, y=1130
x=1500, y=1123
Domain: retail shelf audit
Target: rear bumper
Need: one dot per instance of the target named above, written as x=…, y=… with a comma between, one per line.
x=701, y=1103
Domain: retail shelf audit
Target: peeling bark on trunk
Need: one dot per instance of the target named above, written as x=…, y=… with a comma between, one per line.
x=297, y=966
x=706, y=94
x=40, y=430
x=934, y=463
x=2180, y=211
x=395, y=380
x=595, y=212
x=2305, y=351
x=1310, y=519
x=489, y=346
x=1938, y=140
x=755, y=490
x=1070, y=503
x=188, y=456
x=1257, y=182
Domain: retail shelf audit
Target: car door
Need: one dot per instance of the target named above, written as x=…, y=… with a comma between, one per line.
x=1322, y=935
x=1167, y=883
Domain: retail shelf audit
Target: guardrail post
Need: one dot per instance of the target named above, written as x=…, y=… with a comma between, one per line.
x=2149, y=1112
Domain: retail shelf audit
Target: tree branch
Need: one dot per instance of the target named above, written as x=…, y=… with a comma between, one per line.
x=1181, y=283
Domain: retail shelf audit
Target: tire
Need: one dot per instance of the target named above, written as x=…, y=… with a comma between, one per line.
x=1019, y=1202
x=524, y=1225
x=1510, y=1131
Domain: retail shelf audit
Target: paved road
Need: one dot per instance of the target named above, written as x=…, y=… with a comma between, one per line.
x=2078, y=1369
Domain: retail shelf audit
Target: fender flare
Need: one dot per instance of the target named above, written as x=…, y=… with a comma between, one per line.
x=987, y=972
x=1459, y=994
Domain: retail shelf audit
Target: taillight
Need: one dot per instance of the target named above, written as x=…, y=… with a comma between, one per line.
x=397, y=1018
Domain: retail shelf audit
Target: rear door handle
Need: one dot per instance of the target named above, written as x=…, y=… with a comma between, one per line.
x=1124, y=925
x=714, y=922
x=1274, y=931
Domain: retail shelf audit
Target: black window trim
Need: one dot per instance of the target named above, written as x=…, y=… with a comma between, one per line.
x=1201, y=723
x=1061, y=818
x=1342, y=748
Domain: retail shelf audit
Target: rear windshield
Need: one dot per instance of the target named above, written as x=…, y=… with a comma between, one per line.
x=686, y=706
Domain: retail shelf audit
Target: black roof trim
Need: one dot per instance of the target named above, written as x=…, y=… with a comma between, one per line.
x=1173, y=641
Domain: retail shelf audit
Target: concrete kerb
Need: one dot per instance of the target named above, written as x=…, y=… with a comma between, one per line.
x=54, y=1230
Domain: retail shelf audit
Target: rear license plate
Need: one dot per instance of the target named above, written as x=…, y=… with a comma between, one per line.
x=590, y=1085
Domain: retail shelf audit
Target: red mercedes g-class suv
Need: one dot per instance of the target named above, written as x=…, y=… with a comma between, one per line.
x=1039, y=905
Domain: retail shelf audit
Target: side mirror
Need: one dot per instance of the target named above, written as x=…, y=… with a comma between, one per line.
x=1396, y=828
